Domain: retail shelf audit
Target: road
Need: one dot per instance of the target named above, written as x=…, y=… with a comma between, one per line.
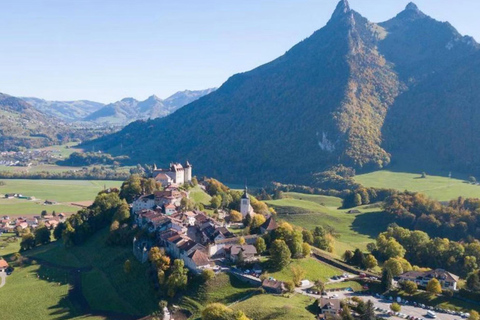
x=3, y=278
x=385, y=304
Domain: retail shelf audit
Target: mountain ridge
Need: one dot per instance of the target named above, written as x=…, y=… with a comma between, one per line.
x=324, y=102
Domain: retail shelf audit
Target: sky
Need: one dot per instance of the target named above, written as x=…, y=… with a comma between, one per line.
x=105, y=50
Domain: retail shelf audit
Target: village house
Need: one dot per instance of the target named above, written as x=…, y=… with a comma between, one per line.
x=329, y=308
x=269, y=225
x=447, y=280
x=246, y=251
x=217, y=248
x=273, y=286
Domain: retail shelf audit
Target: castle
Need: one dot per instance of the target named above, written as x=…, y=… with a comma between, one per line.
x=176, y=174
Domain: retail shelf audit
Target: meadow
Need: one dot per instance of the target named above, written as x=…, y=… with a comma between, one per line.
x=437, y=187
x=314, y=270
x=352, y=230
x=63, y=191
x=265, y=306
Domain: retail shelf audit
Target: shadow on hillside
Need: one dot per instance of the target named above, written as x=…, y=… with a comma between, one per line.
x=371, y=223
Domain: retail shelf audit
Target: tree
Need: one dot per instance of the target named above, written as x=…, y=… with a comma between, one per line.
x=57, y=232
x=306, y=249
x=346, y=314
x=178, y=278
x=42, y=235
x=150, y=186
x=434, y=287
x=298, y=274
x=216, y=201
x=394, y=265
x=257, y=221
x=387, y=279
x=127, y=266
x=369, y=313
x=131, y=188
x=358, y=258
x=370, y=262
x=474, y=315
x=473, y=282
x=410, y=287
x=28, y=242
x=472, y=179
x=43, y=213
x=347, y=256
x=260, y=245
x=289, y=286
x=122, y=213
x=307, y=236
x=279, y=254
x=241, y=241
x=320, y=285
x=235, y=216
x=357, y=200
x=207, y=274
x=395, y=307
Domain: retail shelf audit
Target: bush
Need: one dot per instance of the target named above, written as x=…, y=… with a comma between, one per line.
x=448, y=293
x=208, y=274
x=289, y=286
x=410, y=287
x=395, y=307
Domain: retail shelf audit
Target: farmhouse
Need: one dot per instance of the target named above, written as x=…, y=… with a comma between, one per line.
x=273, y=286
x=447, y=280
x=238, y=252
x=329, y=307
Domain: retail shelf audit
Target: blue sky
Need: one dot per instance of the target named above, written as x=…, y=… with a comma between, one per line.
x=105, y=50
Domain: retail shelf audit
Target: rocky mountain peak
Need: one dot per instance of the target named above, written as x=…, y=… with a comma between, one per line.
x=342, y=9
x=412, y=6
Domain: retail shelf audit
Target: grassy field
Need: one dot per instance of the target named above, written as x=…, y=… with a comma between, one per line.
x=314, y=270
x=223, y=288
x=62, y=191
x=200, y=196
x=353, y=230
x=264, y=306
x=440, y=301
x=437, y=187
x=25, y=296
x=9, y=247
x=344, y=284
x=106, y=286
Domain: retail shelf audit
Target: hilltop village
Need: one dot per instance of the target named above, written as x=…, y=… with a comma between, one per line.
x=200, y=240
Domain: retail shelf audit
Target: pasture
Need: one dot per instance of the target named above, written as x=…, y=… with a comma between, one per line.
x=314, y=270
x=265, y=306
x=352, y=230
x=437, y=187
x=63, y=191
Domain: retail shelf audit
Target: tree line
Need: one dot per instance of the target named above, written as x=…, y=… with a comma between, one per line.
x=457, y=220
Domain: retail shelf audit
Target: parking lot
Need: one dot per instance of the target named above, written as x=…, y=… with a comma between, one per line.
x=383, y=304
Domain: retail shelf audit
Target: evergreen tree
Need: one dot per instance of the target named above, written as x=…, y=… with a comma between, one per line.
x=279, y=255
x=387, y=279
x=369, y=313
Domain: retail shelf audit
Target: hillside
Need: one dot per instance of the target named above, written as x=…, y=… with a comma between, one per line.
x=129, y=109
x=22, y=125
x=65, y=110
x=343, y=95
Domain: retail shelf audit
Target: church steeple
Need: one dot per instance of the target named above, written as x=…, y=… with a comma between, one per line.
x=245, y=192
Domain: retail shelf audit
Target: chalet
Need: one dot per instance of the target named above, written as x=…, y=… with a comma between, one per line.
x=273, y=286
x=143, y=203
x=447, y=280
x=10, y=195
x=170, y=209
x=354, y=211
x=61, y=217
x=50, y=202
x=248, y=252
x=3, y=265
x=329, y=307
x=269, y=225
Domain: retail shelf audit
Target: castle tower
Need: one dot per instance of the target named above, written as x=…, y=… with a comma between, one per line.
x=245, y=207
x=188, y=171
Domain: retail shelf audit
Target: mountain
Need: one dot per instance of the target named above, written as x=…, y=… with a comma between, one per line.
x=22, y=125
x=68, y=111
x=343, y=95
x=129, y=109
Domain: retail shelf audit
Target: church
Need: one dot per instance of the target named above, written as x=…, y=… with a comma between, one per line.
x=176, y=174
x=245, y=206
